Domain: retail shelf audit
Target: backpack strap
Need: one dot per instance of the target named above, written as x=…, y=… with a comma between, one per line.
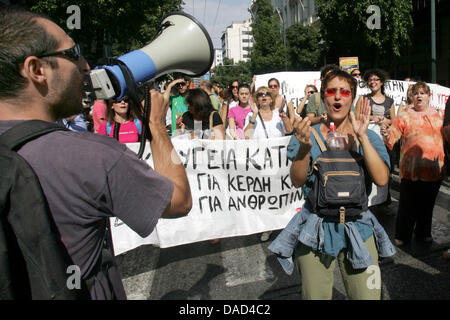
x=263, y=125
x=211, y=120
x=137, y=123
x=319, y=141
x=317, y=102
x=108, y=127
x=15, y=137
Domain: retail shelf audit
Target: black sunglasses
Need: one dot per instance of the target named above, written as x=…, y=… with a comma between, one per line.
x=263, y=93
x=181, y=84
x=311, y=92
x=72, y=53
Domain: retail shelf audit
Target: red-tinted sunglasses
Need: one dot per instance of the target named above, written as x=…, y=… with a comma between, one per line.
x=329, y=92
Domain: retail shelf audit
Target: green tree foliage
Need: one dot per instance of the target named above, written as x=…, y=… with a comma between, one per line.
x=230, y=71
x=303, y=47
x=268, y=54
x=121, y=25
x=345, y=28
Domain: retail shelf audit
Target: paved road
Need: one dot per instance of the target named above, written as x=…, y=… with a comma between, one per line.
x=242, y=268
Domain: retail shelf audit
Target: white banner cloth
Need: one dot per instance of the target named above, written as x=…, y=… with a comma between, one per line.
x=239, y=187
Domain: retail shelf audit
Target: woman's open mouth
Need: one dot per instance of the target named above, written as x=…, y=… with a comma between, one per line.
x=336, y=107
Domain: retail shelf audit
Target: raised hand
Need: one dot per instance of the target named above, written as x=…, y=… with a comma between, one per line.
x=384, y=131
x=253, y=107
x=302, y=130
x=361, y=122
x=160, y=104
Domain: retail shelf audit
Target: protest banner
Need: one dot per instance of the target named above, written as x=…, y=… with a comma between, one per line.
x=239, y=187
x=242, y=187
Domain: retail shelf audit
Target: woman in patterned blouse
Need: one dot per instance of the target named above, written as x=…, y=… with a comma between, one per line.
x=421, y=165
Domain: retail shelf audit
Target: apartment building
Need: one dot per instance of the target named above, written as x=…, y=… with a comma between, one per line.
x=237, y=41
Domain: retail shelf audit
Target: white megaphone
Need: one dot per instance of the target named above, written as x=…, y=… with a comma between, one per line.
x=182, y=45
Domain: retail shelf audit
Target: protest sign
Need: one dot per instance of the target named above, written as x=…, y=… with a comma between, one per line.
x=239, y=187
x=348, y=63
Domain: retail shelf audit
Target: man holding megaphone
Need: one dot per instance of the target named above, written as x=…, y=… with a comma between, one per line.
x=86, y=178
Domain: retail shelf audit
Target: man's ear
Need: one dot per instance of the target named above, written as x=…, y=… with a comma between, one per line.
x=34, y=69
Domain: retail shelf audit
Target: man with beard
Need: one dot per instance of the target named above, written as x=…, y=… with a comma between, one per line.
x=86, y=178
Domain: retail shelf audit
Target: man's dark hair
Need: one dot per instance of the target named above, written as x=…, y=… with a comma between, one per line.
x=208, y=84
x=327, y=68
x=21, y=36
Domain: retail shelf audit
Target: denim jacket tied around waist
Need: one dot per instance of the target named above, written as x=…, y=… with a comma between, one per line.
x=307, y=227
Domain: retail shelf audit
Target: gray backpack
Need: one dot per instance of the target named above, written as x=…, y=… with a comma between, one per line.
x=339, y=189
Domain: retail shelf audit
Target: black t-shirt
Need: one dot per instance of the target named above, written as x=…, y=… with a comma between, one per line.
x=188, y=121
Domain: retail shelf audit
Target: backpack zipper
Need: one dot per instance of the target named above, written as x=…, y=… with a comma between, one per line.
x=338, y=160
x=338, y=173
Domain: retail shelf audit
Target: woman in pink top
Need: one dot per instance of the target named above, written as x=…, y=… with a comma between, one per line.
x=98, y=113
x=237, y=115
x=119, y=114
x=421, y=164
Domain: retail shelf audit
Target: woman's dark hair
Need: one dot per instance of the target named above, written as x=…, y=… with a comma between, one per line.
x=110, y=112
x=244, y=85
x=338, y=74
x=376, y=72
x=225, y=94
x=231, y=90
x=327, y=68
x=200, y=103
x=273, y=79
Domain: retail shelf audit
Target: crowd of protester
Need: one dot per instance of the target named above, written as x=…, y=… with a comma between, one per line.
x=411, y=133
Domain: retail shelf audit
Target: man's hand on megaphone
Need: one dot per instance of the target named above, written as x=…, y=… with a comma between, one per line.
x=159, y=107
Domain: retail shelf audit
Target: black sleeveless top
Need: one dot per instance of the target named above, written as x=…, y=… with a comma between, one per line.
x=377, y=109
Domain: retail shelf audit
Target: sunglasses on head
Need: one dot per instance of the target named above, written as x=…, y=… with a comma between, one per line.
x=262, y=94
x=73, y=53
x=329, y=92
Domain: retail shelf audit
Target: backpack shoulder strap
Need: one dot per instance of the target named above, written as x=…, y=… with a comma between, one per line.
x=108, y=127
x=319, y=141
x=317, y=102
x=211, y=119
x=137, y=123
x=17, y=136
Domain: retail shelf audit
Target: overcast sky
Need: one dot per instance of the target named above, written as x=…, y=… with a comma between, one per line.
x=227, y=11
